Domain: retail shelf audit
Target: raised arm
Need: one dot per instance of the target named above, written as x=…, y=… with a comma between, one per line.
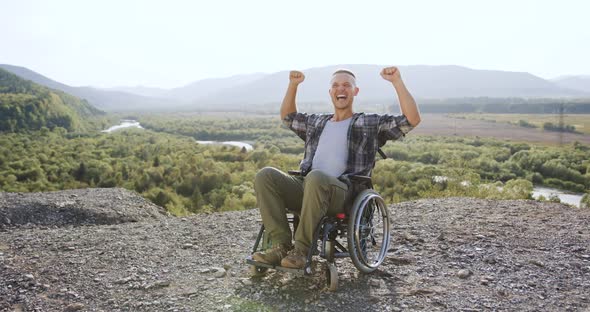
x=406, y=101
x=289, y=105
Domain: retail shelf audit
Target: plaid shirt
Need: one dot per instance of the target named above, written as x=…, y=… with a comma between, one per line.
x=367, y=132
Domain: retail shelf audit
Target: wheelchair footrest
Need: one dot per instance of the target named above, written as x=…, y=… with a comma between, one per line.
x=251, y=261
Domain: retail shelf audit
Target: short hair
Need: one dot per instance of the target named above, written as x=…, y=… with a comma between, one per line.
x=348, y=72
x=344, y=71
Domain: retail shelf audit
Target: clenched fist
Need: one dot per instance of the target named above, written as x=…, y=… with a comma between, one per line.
x=296, y=77
x=391, y=74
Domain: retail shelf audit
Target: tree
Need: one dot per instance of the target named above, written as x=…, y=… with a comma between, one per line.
x=80, y=173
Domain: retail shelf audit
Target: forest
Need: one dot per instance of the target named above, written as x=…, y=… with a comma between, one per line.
x=25, y=106
x=51, y=141
x=166, y=165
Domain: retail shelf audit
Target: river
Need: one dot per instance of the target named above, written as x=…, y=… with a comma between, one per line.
x=565, y=197
x=125, y=123
x=128, y=123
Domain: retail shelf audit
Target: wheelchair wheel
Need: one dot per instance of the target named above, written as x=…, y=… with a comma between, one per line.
x=331, y=276
x=368, y=231
x=329, y=250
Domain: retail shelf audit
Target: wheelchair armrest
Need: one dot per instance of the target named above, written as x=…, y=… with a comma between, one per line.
x=359, y=179
x=295, y=172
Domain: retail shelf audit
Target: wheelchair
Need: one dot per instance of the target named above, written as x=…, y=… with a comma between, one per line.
x=363, y=235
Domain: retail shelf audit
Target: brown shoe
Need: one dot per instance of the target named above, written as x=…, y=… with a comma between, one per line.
x=295, y=259
x=274, y=255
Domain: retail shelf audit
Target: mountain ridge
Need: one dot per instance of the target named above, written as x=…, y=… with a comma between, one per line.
x=107, y=100
x=424, y=81
x=575, y=82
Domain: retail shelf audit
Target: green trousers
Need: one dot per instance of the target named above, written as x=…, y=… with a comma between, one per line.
x=311, y=197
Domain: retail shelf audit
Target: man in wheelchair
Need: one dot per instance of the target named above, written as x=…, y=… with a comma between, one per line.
x=337, y=147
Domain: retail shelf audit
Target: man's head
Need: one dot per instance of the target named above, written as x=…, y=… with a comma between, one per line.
x=343, y=89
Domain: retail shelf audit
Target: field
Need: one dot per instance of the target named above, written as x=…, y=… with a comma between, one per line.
x=580, y=121
x=499, y=126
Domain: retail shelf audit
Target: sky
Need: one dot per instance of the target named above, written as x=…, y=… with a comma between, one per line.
x=172, y=43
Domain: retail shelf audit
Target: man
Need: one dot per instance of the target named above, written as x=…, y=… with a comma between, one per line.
x=336, y=146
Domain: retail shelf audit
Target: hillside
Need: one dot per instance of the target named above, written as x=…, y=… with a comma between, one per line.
x=451, y=254
x=25, y=105
x=107, y=100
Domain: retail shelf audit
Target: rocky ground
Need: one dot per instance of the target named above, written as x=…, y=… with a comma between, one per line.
x=110, y=250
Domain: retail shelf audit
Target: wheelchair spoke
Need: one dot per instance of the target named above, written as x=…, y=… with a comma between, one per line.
x=370, y=232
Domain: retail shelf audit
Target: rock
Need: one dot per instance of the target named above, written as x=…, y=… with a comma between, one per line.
x=187, y=246
x=158, y=284
x=399, y=260
x=124, y=280
x=409, y=237
x=464, y=273
x=219, y=273
x=420, y=291
x=488, y=277
x=74, y=307
x=537, y=263
x=246, y=281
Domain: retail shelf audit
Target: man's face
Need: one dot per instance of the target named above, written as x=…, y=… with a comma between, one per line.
x=343, y=90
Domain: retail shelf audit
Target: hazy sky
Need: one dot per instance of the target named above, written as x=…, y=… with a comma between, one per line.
x=171, y=43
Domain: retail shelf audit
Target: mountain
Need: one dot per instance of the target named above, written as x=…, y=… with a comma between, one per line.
x=140, y=90
x=107, y=100
x=25, y=105
x=423, y=81
x=191, y=91
x=257, y=91
x=206, y=87
x=580, y=83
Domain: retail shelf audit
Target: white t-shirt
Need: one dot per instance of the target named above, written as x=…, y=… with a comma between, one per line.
x=332, y=152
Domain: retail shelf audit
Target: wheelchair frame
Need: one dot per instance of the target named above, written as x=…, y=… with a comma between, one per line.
x=358, y=228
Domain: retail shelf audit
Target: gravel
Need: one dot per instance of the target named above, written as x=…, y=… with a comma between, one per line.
x=110, y=250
